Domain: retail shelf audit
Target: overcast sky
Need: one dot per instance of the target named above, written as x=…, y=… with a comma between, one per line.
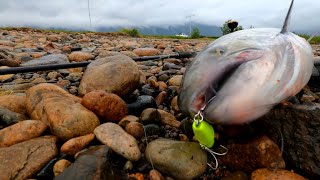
x=74, y=13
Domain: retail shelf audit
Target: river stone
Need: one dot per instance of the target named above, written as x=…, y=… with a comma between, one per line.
x=275, y=174
x=296, y=128
x=182, y=160
x=118, y=140
x=15, y=103
x=146, y=51
x=79, y=56
x=261, y=152
x=48, y=59
x=115, y=74
x=61, y=111
x=92, y=164
x=74, y=145
x=24, y=160
x=60, y=166
x=8, y=117
x=21, y=131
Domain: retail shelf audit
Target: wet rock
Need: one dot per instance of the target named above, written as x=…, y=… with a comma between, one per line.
x=135, y=129
x=169, y=119
x=108, y=106
x=61, y=111
x=100, y=167
x=25, y=159
x=60, y=166
x=48, y=59
x=155, y=175
x=15, y=103
x=296, y=127
x=74, y=145
x=79, y=56
x=146, y=52
x=275, y=174
x=259, y=153
x=175, y=80
x=116, y=74
x=183, y=160
x=118, y=140
x=21, y=131
x=141, y=103
x=8, y=117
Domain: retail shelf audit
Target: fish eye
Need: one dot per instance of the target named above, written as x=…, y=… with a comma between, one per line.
x=218, y=51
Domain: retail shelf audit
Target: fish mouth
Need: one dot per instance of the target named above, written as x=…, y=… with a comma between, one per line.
x=212, y=91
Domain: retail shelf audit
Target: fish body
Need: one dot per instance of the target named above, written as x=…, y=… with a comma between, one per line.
x=241, y=76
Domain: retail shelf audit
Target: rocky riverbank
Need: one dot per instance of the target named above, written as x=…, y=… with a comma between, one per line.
x=119, y=119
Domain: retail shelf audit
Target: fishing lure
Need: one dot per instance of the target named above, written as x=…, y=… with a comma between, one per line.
x=204, y=133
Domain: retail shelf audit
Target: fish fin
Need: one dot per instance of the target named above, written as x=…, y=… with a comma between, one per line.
x=312, y=36
x=286, y=21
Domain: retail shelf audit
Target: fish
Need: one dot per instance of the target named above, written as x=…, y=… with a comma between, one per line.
x=241, y=76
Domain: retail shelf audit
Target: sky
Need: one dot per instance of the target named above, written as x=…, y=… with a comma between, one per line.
x=128, y=13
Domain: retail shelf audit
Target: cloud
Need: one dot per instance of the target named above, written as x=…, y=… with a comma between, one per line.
x=74, y=13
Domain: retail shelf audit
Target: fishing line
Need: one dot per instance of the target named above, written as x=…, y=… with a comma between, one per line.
x=89, y=14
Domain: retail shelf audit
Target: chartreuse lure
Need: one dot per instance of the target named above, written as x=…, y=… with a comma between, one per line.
x=204, y=133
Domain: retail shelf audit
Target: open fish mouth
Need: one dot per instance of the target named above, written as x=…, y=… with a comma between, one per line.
x=209, y=93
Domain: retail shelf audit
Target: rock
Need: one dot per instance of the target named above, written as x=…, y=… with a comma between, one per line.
x=61, y=111
x=116, y=74
x=162, y=86
x=259, y=153
x=164, y=77
x=128, y=166
x=8, y=117
x=155, y=175
x=135, y=129
x=60, y=166
x=296, y=128
x=15, y=103
x=175, y=80
x=146, y=52
x=174, y=104
x=275, y=174
x=161, y=98
x=183, y=160
x=127, y=119
x=238, y=175
x=9, y=63
x=141, y=103
x=79, y=56
x=21, y=131
x=169, y=119
x=3, y=78
x=74, y=145
x=108, y=106
x=24, y=160
x=48, y=59
x=152, y=129
x=91, y=164
x=118, y=140
x=47, y=171
x=136, y=176
x=150, y=115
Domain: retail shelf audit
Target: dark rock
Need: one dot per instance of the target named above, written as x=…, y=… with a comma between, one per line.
x=164, y=77
x=46, y=60
x=167, y=66
x=141, y=103
x=91, y=164
x=148, y=90
x=296, y=128
x=249, y=156
x=8, y=117
x=150, y=115
x=47, y=171
x=152, y=129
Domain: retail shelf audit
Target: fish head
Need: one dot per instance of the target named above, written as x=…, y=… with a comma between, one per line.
x=238, y=77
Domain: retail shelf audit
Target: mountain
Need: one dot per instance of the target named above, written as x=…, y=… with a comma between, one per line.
x=205, y=30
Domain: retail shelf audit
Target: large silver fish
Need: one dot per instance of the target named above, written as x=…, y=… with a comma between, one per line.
x=241, y=76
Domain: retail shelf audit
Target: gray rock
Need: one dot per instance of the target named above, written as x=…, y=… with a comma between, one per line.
x=49, y=59
x=8, y=117
x=118, y=140
x=182, y=160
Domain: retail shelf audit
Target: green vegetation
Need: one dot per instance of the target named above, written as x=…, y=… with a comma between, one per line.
x=226, y=30
x=195, y=33
x=314, y=40
x=131, y=32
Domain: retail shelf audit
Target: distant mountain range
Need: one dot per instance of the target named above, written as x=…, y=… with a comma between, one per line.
x=205, y=30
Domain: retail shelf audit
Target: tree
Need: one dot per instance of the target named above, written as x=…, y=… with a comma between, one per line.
x=195, y=33
x=226, y=30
